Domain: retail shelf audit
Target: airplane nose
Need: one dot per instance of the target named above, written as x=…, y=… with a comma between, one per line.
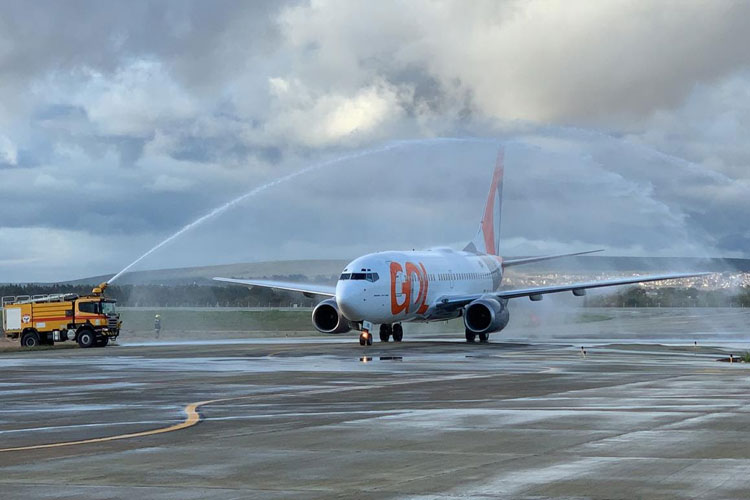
x=350, y=303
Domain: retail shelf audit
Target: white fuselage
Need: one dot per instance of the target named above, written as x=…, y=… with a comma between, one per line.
x=391, y=287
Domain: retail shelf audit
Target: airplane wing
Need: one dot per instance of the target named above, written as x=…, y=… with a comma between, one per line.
x=308, y=289
x=577, y=289
x=528, y=260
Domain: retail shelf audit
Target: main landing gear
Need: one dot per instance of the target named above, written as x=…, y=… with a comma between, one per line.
x=471, y=337
x=395, y=330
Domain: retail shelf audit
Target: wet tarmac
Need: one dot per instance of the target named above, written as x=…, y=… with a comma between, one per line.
x=325, y=418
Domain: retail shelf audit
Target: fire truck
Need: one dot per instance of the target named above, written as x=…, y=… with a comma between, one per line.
x=90, y=320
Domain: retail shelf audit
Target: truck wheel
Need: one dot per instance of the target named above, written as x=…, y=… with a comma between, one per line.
x=102, y=341
x=30, y=339
x=86, y=338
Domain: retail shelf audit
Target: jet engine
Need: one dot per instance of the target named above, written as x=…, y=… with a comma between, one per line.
x=327, y=318
x=486, y=315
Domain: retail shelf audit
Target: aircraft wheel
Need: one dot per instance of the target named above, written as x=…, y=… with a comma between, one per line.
x=483, y=338
x=365, y=338
x=470, y=336
x=398, y=332
x=385, y=333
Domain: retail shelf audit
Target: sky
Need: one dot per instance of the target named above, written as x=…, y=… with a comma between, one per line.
x=624, y=126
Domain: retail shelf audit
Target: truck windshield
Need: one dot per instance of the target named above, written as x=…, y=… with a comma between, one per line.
x=108, y=308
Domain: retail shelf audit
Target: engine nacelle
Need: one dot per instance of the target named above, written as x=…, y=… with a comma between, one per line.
x=327, y=318
x=486, y=315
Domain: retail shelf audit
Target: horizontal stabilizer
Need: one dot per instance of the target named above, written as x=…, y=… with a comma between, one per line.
x=529, y=260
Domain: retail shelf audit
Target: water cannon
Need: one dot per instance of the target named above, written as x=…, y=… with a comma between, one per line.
x=99, y=290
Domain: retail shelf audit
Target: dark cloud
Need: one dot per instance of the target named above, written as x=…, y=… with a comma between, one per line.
x=121, y=122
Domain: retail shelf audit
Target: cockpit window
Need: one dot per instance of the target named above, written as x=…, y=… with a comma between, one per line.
x=372, y=277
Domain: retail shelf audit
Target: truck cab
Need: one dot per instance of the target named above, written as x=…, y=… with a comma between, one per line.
x=98, y=314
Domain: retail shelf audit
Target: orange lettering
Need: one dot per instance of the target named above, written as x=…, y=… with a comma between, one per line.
x=396, y=308
x=424, y=283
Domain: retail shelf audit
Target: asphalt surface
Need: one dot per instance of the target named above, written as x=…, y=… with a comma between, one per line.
x=326, y=418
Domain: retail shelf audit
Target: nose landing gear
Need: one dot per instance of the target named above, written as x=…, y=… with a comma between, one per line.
x=365, y=338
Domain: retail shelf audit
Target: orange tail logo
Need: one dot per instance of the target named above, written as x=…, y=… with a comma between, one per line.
x=414, y=274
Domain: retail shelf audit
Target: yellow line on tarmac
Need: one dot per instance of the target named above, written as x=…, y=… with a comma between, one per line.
x=191, y=410
x=193, y=418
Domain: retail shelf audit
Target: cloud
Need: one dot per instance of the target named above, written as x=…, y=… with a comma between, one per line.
x=709, y=128
x=136, y=99
x=624, y=124
x=532, y=61
x=41, y=254
x=8, y=151
x=332, y=119
x=165, y=183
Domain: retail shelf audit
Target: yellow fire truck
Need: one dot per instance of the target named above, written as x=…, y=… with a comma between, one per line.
x=45, y=319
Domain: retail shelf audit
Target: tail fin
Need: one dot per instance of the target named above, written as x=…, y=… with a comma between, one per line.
x=488, y=237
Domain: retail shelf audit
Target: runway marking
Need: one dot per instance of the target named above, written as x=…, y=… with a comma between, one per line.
x=193, y=418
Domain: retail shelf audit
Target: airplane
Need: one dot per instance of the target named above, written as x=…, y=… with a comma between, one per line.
x=393, y=287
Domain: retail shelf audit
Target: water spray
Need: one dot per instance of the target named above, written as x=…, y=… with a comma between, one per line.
x=219, y=210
